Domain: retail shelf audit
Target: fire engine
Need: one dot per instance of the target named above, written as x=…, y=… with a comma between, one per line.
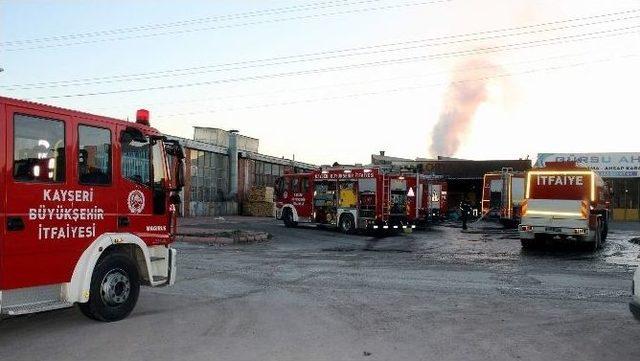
x=349, y=198
x=564, y=201
x=430, y=202
x=89, y=210
x=502, y=196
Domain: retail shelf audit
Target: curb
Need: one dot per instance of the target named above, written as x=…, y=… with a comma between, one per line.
x=213, y=239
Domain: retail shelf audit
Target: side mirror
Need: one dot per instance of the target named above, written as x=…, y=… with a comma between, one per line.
x=174, y=149
x=179, y=176
x=277, y=187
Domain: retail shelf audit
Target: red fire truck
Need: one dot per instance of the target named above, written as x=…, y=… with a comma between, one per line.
x=502, y=196
x=430, y=202
x=349, y=198
x=88, y=211
x=564, y=201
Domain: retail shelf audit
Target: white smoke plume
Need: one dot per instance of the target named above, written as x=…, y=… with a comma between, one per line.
x=466, y=92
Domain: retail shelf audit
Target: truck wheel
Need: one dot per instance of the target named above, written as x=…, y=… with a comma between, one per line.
x=347, y=224
x=605, y=232
x=115, y=286
x=598, y=241
x=287, y=218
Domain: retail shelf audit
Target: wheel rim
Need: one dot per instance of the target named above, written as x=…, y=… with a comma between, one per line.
x=115, y=287
x=346, y=224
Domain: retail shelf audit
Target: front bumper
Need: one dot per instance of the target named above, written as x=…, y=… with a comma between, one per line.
x=634, y=307
x=530, y=232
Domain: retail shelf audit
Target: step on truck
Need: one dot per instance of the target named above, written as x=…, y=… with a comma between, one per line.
x=564, y=201
x=347, y=198
x=88, y=213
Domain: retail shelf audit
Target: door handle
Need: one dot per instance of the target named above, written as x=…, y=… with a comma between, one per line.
x=15, y=224
x=123, y=221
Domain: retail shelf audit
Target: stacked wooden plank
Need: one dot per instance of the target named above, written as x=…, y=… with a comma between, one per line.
x=259, y=202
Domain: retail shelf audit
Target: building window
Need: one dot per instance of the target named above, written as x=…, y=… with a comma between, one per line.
x=265, y=173
x=94, y=158
x=209, y=174
x=38, y=149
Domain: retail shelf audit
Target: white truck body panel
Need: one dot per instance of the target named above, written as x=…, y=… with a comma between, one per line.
x=555, y=217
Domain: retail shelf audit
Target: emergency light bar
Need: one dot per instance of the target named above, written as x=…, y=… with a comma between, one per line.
x=142, y=117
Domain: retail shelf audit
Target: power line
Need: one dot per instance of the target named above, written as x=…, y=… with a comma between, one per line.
x=331, y=54
x=395, y=90
x=287, y=90
x=528, y=44
x=242, y=15
x=267, y=21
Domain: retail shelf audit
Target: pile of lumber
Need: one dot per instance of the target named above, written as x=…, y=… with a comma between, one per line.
x=260, y=194
x=259, y=202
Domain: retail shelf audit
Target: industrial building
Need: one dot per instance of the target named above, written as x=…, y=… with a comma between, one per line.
x=464, y=177
x=621, y=171
x=221, y=166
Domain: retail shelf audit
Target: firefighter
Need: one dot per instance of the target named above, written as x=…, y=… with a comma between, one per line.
x=465, y=212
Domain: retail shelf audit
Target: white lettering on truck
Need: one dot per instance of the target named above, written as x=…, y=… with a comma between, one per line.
x=58, y=212
x=559, y=180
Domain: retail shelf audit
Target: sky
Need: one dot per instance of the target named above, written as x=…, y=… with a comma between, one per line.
x=337, y=80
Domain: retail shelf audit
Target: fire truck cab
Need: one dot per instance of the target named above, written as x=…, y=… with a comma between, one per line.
x=564, y=201
x=349, y=198
x=88, y=213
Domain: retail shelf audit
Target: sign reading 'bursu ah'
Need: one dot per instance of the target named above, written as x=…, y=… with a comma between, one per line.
x=607, y=165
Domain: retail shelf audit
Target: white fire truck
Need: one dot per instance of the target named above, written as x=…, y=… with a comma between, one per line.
x=349, y=198
x=88, y=213
x=564, y=201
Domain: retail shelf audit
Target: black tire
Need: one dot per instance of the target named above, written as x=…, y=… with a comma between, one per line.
x=597, y=242
x=347, y=224
x=287, y=218
x=605, y=231
x=115, y=286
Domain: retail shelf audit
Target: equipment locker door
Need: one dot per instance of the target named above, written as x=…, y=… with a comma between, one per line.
x=38, y=247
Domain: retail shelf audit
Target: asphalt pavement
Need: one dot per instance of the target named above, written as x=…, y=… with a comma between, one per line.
x=314, y=294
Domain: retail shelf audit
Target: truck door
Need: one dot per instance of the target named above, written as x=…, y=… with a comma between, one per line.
x=302, y=194
x=37, y=249
x=143, y=207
